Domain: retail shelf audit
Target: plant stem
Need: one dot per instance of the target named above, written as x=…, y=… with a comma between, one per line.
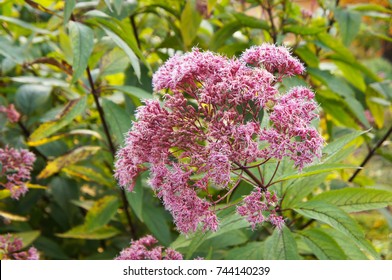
x=371, y=153
x=134, y=29
x=112, y=149
x=251, y=175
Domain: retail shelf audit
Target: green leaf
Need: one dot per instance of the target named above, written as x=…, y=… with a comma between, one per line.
x=68, y=9
x=80, y=232
x=315, y=169
x=29, y=98
x=128, y=51
x=68, y=159
x=190, y=22
x=135, y=199
x=118, y=4
x=4, y=194
x=338, y=144
x=251, y=251
x=281, y=245
x=71, y=111
x=349, y=247
x=109, y=5
x=118, y=120
x=219, y=38
x=336, y=218
x=82, y=40
x=24, y=25
x=157, y=219
x=27, y=237
x=101, y=213
x=349, y=24
x=377, y=110
x=139, y=93
x=303, y=30
x=356, y=199
x=252, y=22
x=322, y=245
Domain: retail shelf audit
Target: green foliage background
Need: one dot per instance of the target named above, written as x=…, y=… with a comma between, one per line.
x=77, y=70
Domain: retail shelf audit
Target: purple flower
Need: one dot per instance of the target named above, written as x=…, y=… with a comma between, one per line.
x=10, y=249
x=259, y=207
x=146, y=249
x=207, y=132
x=16, y=168
x=12, y=115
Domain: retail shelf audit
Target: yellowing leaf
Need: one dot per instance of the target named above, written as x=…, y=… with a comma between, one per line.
x=62, y=135
x=68, y=159
x=71, y=111
x=12, y=217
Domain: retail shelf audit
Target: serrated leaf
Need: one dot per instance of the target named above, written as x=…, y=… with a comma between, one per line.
x=356, y=199
x=101, y=213
x=82, y=40
x=315, y=169
x=118, y=120
x=68, y=159
x=349, y=247
x=349, y=24
x=322, y=245
x=334, y=147
x=190, y=22
x=281, y=245
x=68, y=8
x=336, y=218
x=80, y=232
x=29, y=98
x=251, y=251
x=71, y=111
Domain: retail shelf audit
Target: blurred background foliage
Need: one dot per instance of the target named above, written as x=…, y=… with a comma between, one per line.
x=76, y=71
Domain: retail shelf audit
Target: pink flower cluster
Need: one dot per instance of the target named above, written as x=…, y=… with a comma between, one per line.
x=12, y=115
x=209, y=125
x=258, y=208
x=16, y=167
x=10, y=249
x=146, y=249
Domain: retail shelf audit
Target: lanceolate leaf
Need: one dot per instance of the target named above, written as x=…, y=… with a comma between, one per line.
x=80, y=232
x=251, y=251
x=336, y=218
x=356, y=199
x=134, y=92
x=68, y=159
x=281, y=245
x=82, y=40
x=119, y=121
x=349, y=23
x=101, y=213
x=322, y=245
x=71, y=111
x=315, y=169
x=68, y=8
x=190, y=21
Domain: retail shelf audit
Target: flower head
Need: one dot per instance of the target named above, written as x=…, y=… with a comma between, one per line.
x=208, y=131
x=12, y=114
x=10, y=249
x=16, y=168
x=146, y=249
